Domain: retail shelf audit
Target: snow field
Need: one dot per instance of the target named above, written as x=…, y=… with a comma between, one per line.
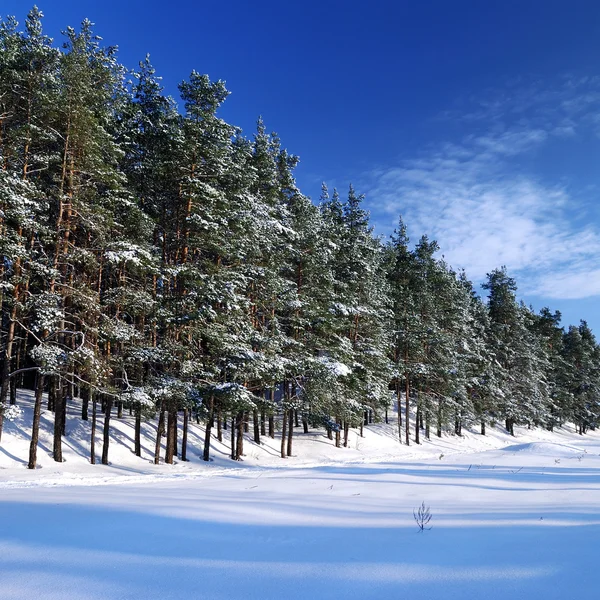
x=512, y=518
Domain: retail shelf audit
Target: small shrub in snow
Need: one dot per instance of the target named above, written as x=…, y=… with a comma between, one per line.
x=422, y=516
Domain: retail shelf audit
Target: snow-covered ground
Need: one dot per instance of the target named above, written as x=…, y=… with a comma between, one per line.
x=512, y=518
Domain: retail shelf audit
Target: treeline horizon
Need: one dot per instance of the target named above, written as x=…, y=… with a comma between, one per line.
x=162, y=262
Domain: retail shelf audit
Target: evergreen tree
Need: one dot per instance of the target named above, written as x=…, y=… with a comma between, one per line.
x=583, y=355
x=521, y=365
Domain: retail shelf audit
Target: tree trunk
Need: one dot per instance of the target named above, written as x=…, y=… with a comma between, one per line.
x=482, y=427
x=305, y=423
x=13, y=390
x=233, y=430
x=70, y=389
x=407, y=411
x=35, y=429
x=458, y=425
x=263, y=424
x=290, y=432
x=159, y=433
x=175, y=433
x=272, y=427
x=211, y=411
x=106, y=430
x=138, y=430
x=51, y=394
x=338, y=432
x=85, y=402
x=93, y=434
x=63, y=416
x=417, y=424
x=219, y=424
x=10, y=336
x=171, y=427
x=510, y=426
x=283, y=433
x=241, y=425
x=346, y=430
x=58, y=426
x=256, y=423
x=184, y=435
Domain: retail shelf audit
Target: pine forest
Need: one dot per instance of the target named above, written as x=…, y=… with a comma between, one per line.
x=158, y=262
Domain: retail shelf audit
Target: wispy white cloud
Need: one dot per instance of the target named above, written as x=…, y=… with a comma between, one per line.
x=485, y=209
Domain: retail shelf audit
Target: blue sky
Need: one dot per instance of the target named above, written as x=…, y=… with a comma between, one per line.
x=478, y=121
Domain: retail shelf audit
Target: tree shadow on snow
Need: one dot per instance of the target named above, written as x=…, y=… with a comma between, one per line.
x=135, y=553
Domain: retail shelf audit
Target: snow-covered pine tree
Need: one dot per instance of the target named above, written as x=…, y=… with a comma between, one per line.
x=582, y=353
x=482, y=389
x=402, y=277
x=89, y=208
x=363, y=315
x=546, y=327
x=521, y=368
x=27, y=98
